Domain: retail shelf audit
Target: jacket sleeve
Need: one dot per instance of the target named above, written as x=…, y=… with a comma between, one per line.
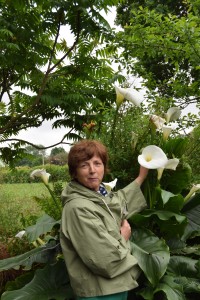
x=102, y=253
x=134, y=198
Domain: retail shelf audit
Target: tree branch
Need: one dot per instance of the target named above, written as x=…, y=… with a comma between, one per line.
x=13, y=120
x=39, y=147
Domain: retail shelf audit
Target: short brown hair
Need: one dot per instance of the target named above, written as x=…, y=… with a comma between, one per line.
x=85, y=150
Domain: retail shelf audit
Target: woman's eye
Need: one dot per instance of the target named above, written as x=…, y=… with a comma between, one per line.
x=83, y=165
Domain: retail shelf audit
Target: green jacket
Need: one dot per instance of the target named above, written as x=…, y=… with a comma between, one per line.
x=97, y=257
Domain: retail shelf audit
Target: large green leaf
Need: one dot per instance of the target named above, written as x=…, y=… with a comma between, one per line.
x=186, y=273
x=161, y=215
x=152, y=254
x=170, y=288
x=176, y=181
x=192, y=211
x=52, y=282
x=190, y=285
x=167, y=286
x=42, y=254
x=176, y=146
x=172, y=202
x=43, y=225
x=169, y=223
x=183, y=266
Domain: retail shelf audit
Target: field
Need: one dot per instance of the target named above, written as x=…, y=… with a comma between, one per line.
x=17, y=203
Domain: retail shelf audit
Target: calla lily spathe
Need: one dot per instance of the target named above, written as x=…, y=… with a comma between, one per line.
x=166, y=130
x=129, y=94
x=42, y=174
x=170, y=165
x=193, y=190
x=172, y=114
x=157, y=121
x=153, y=157
x=110, y=185
x=20, y=234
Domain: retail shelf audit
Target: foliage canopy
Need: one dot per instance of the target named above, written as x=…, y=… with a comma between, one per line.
x=44, y=76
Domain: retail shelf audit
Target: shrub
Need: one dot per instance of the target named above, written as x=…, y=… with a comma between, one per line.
x=22, y=174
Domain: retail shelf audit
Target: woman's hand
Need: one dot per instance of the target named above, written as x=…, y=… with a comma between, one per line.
x=142, y=175
x=125, y=229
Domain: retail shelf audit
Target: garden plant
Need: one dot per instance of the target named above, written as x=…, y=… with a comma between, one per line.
x=73, y=84
x=164, y=235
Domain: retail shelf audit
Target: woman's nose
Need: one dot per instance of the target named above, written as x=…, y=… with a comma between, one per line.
x=92, y=168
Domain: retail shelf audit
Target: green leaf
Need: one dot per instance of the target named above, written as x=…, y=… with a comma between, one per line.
x=175, y=204
x=43, y=225
x=52, y=282
x=176, y=181
x=166, y=196
x=170, y=288
x=167, y=286
x=190, y=285
x=152, y=254
x=192, y=211
x=176, y=146
x=160, y=214
x=41, y=254
x=182, y=266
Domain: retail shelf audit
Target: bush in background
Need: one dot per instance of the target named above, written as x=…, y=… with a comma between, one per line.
x=22, y=174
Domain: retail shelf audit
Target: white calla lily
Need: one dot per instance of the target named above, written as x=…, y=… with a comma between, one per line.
x=171, y=164
x=42, y=174
x=110, y=185
x=193, y=190
x=172, y=114
x=160, y=172
x=128, y=94
x=152, y=157
x=119, y=97
x=20, y=234
x=158, y=121
x=166, y=131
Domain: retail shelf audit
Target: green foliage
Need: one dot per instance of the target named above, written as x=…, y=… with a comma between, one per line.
x=57, y=150
x=43, y=225
x=22, y=174
x=32, y=156
x=193, y=153
x=192, y=210
x=151, y=253
x=54, y=276
x=160, y=45
x=160, y=42
x=53, y=80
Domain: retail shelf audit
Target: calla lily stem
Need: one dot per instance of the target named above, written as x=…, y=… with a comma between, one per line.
x=53, y=197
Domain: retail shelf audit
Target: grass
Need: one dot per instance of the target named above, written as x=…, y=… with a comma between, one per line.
x=16, y=204
x=19, y=209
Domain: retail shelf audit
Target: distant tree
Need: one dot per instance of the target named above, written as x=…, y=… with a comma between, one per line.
x=31, y=156
x=57, y=150
x=58, y=156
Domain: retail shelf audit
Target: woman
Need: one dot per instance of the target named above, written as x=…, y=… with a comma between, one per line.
x=94, y=234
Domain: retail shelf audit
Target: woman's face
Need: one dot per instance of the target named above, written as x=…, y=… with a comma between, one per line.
x=90, y=173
